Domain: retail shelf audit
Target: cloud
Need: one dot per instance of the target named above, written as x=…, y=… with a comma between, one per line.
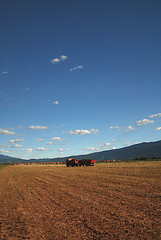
x=3, y=151
x=101, y=147
x=158, y=128
x=29, y=150
x=129, y=129
x=37, y=127
x=63, y=58
x=25, y=89
x=39, y=139
x=76, y=68
x=56, y=102
x=16, y=140
x=56, y=60
x=49, y=143
x=16, y=146
x=6, y=132
x=42, y=149
x=107, y=144
x=4, y=146
x=144, y=122
x=83, y=132
x=92, y=149
x=62, y=150
x=155, y=115
x=94, y=131
x=118, y=128
x=58, y=139
x=4, y=72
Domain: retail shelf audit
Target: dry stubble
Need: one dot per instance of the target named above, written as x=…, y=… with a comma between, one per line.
x=107, y=201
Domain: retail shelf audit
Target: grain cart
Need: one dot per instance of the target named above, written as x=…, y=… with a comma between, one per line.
x=86, y=162
x=72, y=162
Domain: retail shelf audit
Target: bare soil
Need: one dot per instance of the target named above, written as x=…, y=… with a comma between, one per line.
x=107, y=201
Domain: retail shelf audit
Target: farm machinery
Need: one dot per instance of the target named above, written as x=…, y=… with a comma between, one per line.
x=72, y=162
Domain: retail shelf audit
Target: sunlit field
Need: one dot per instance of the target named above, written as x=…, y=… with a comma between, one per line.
x=107, y=201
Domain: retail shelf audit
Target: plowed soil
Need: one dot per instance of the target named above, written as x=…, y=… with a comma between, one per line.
x=107, y=201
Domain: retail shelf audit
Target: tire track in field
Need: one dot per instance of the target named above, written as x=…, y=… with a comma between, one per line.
x=42, y=202
x=74, y=194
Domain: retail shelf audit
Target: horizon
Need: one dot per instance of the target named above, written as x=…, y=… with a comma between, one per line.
x=84, y=154
x=78, y=77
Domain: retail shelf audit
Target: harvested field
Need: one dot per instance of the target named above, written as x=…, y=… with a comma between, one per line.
x=107, y=201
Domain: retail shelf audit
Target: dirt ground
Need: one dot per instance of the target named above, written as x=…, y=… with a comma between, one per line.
x=107, y=201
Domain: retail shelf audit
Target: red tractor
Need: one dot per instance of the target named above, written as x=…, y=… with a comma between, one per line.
x=72, y=162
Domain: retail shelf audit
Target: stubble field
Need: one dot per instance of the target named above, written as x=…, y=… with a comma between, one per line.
x=107, y=201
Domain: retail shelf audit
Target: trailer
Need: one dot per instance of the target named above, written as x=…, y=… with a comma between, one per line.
x=86, y=162
x=72, y=162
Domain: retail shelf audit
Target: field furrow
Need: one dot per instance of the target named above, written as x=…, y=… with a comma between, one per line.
x=107, y=201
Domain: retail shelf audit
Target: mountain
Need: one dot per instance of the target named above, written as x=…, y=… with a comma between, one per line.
x=141, y=150
x=7, y=159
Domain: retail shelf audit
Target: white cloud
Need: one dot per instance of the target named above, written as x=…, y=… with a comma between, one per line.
x=29, y=150
x=56, y=102
x=101, y=147
x=58, y=139
x=6, y=132
x=158, y=128
x=25, y=89
x=16, y=145
x=56, y=60
x=155, y=115
x=75, y=68
x=42, y=149
x=144, y=122
x=82, y=132
x=118, y=128
x=94, y=131
x=37, y=127
x=62, y=150
x=63, y=58
x=107, y=144
x=4, y=72
x=137, y=142
x=4, y=151
x=127, y=144
x=92, y=149
x=49, y=143
x=39, y=139
x=16, y=140
x=130, y=128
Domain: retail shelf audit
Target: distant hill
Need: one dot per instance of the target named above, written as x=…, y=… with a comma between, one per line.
x=7, y=159
x=141, y=150
x=145, y=150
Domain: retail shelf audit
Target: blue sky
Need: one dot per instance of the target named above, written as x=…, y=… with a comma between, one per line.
x=78, y=76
